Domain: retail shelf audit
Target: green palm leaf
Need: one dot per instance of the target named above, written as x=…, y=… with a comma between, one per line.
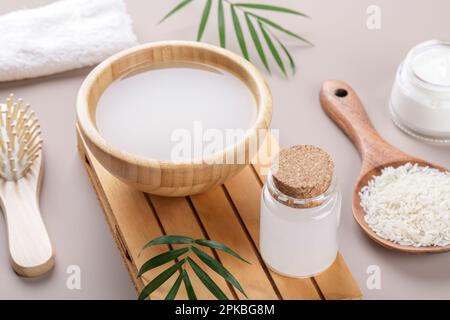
x=221, y=19
x=204, y=20
x=174, y=290
x=239, y=33
x=273, y=49
x=216, y=245
x=288, y=54
x=270, y=8
x=180, y=6
x=251, y=18
x=188, y=285
x=217, y=267
x=280, y=28
x=169, y=240
x=161, y=259
x=207, y=281
x=160, y=279
x=257, y=42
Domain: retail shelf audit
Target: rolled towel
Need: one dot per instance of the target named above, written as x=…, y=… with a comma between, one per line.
x=62, y=36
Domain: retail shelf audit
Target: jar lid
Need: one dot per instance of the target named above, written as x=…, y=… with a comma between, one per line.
x=303, y=172
x=430, y=63
x=420, y=98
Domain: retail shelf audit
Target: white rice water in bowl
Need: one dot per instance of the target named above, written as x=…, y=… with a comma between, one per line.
x=409, y=205
x=177, y=113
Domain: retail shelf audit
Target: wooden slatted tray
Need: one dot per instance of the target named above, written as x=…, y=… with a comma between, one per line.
x=228, y=214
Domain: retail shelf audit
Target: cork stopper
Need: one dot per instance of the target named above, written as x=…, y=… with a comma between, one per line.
x=304, y=172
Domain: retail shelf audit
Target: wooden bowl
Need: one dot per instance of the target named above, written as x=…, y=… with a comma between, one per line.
x=169, y=178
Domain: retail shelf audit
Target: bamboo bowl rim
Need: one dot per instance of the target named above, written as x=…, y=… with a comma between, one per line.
x=86, y=110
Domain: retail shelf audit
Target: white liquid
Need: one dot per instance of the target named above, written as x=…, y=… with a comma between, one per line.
x=433, y=66
x=298, y=242
x=150, y=114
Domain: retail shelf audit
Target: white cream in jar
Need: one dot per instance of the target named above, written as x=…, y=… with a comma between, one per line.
x=420, y=99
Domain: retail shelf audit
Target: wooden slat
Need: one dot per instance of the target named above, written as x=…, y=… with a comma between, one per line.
x=109, y=217
x=222, y=225
x=132, y=224
x=338, y=283
x=177, y=218
x=245, y=192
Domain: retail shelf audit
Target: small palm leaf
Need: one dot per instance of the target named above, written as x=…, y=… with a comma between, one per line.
x=280, y=28
x=257, y=42
x=216, y=245
x=273, y=49
x=217, y=267
x=239, y=33
x=161, y=259
x=205, y=16
x=221, y=19
x=180, y=6
x=188, y=285
x=169, y=240
x=174, y=290
x=288, y=54
x=160, y=279
x=207, y=281
x=270, y=8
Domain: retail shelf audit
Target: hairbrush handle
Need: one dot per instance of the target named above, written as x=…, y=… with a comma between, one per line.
x=30, y=248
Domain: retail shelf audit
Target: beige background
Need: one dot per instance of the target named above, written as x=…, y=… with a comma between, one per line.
x=344, y=49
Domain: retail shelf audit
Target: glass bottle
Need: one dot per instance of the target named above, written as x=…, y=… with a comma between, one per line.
x=299, y=237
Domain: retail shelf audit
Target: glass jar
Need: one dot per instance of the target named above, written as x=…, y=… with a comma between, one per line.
x=299, y=237
x=420, y=98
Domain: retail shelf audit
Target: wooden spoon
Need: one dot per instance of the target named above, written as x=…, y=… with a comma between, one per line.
x=344, y=107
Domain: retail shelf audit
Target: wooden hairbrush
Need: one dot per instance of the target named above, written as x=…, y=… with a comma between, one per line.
x=20, y=182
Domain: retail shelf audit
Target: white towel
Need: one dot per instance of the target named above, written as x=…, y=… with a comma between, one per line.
x=65, y=35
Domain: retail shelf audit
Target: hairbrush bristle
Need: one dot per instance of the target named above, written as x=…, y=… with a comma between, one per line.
x=20, y=139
